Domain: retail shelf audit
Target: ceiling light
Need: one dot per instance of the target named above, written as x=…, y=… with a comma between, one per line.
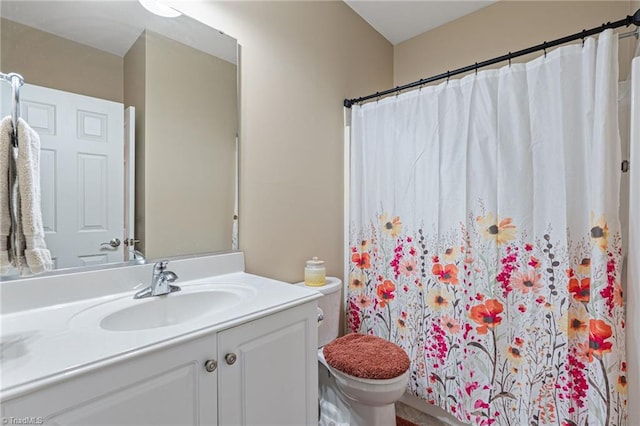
x=159, y=8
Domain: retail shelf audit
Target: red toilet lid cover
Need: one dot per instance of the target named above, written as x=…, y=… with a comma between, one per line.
x=366, y=357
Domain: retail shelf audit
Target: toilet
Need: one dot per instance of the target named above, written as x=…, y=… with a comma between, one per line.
x=352, y=389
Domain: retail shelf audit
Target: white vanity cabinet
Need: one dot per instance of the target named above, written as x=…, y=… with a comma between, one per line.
x=266, y=375
x=268, y=370
x=166, y=387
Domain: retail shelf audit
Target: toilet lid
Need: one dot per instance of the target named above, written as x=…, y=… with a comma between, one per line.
x=366, y=357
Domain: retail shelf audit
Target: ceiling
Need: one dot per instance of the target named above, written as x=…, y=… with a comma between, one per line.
x=400, y=20
x=113, y=26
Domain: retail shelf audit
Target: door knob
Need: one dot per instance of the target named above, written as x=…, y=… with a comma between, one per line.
x=130, y=242
x=115, y=243
x=211, y=365
x=230, y=358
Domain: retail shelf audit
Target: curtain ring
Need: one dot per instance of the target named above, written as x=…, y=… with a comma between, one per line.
x=377, y=97
x=448, y=75
x=476, y=68
x=583, y=35
x=397, y=91
x=544, y=48
x=509, y=59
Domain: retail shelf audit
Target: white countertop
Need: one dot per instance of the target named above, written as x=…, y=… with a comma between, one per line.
x=41, y=346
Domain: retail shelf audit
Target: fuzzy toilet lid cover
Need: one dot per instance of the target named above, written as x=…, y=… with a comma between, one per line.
x=366, y=357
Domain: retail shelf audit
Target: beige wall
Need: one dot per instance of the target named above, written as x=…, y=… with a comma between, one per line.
x=299, y=60
x=135, y=95
x=502, y=27
x=186, y=112
x=50, y=61
x=191, y=125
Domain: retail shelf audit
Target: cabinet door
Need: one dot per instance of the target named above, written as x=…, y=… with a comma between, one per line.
x=168, y=387
x=274, y=379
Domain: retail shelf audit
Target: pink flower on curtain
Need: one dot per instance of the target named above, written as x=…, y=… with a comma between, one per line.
x=450, y=324
x=613, y=291
x=470, y=387
x=353, y=316
x=526, y=282
x=509, y=265
x=408, y=267
x=578, y=383
x=534, y=262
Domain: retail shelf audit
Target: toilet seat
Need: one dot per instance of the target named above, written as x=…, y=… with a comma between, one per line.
x=368, y=358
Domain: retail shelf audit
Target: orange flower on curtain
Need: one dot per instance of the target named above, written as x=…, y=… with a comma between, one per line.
x=599, y=332
x=580, y=289
x=362, y=261
x=385, y=292
x=487, y=315
x=446, y=274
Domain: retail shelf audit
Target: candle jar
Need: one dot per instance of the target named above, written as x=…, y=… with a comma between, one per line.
x=315, y=273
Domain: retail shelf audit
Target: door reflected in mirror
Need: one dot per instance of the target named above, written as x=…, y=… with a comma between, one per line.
x=137, y=117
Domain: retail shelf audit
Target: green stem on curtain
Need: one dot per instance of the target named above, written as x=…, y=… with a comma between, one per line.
x=606, y=385
x=493, y=375
x=389, y=309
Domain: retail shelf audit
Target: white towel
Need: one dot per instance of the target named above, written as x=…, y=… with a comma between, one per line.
x=6, y=182
x=30, y=235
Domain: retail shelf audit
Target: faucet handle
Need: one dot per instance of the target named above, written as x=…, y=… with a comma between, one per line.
x=160, y=266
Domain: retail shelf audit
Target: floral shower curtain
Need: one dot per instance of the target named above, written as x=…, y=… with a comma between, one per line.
x=484, y=239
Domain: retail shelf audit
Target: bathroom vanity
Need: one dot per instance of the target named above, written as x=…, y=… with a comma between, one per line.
x=230, y=348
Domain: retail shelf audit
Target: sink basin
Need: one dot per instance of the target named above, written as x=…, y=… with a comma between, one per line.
x=170, y=309
x=128, y=314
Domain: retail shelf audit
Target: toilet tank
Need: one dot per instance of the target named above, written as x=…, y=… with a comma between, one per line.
x=329, y=303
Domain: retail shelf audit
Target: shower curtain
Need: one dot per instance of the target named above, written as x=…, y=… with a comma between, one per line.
x=485, y=239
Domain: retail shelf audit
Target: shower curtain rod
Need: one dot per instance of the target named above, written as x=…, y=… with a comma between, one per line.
x=630, y=19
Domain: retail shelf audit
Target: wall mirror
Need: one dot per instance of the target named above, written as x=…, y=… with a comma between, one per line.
x=163, y=172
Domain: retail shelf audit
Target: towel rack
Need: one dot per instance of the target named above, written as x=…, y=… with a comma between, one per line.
x=16, y=82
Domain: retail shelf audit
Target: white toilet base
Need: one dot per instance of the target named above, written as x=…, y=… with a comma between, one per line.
x=366, y=415
x=339, y=409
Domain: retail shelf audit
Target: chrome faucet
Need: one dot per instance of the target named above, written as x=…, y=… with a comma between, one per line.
x=160, y=282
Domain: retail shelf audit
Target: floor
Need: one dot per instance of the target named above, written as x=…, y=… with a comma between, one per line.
x=415, y=416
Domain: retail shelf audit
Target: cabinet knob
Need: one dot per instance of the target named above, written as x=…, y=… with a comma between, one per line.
x=230, y=358
x=211, y=365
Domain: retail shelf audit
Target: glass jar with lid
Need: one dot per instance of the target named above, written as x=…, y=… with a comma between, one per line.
x=315, y=273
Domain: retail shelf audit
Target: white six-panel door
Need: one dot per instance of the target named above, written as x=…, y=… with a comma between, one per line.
x=81, y=172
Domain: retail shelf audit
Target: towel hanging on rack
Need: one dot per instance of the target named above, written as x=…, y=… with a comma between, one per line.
x=7, y=181
x=30, y=232
x=22, y=244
